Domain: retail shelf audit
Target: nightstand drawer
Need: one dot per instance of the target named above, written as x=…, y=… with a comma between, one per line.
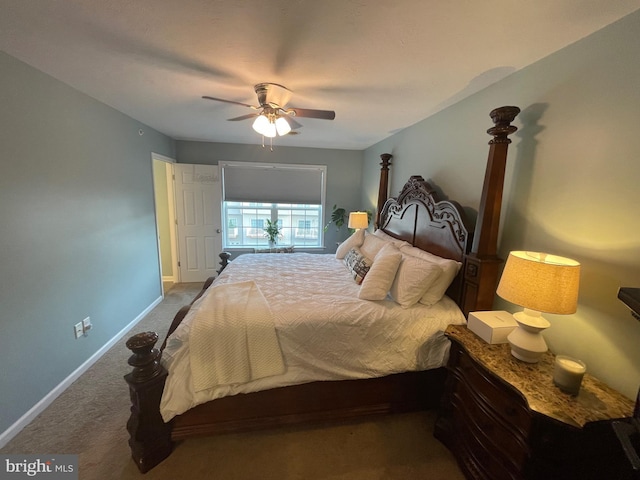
x=509, y=407
x=488, y=429
x=476, y=457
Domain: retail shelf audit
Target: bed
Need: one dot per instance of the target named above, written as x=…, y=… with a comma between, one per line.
x=333, y=336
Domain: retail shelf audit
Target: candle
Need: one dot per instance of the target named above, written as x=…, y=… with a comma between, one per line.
x=568, y=373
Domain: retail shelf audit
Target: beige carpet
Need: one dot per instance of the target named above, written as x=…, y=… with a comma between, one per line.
x=89, y=419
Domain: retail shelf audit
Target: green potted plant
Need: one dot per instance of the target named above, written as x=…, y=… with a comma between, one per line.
x=272, y=232
x=339, y=217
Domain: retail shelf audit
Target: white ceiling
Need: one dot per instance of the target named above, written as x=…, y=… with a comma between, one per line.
x=382, y=65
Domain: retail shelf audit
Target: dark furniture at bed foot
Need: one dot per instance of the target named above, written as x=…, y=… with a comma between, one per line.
x=504, y=419
x=616, y=455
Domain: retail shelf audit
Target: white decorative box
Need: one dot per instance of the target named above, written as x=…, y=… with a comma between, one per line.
x=492, y=326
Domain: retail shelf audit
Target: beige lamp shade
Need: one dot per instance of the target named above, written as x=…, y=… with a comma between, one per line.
x=358, y=220
x=541, y=282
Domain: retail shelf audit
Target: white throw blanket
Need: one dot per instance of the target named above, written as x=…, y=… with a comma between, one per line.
x=233, y=339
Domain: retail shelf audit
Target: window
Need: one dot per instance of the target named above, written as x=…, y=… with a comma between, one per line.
x=290, y=195
x=257, y=228
x=307, y=229
x=232, y=228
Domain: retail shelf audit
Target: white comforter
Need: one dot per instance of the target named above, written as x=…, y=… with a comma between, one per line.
x=325, y=332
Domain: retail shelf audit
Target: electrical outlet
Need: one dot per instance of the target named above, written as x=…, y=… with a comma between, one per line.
x=78, y=330
x=86, y=326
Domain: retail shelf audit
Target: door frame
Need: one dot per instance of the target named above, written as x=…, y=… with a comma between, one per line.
x=169, y=162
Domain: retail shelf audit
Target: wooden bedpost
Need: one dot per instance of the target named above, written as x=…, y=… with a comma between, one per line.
x=481, y=266
x=224, y=261
x=150, y=437
x=383, y=190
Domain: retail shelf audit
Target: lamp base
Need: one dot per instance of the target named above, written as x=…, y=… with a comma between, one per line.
x=526, y=340
x=525, y=355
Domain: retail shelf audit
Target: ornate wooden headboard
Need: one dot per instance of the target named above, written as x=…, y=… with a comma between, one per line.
x=420, y=218
x=441, y=226
x=437, y=226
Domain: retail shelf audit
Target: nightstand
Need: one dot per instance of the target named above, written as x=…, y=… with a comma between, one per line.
x=505, y=419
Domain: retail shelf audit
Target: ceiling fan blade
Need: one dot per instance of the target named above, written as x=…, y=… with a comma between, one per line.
x=294, y=125
x=309, y=113
x=230, y=101
x=243, y=117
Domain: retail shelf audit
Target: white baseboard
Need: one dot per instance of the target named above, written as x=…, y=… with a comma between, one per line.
x=39, y=407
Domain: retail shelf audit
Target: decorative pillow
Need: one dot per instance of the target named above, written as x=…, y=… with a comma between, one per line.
x=450, y=269
x=377, y=282
x=355, y=240
x=385, y=236
x=412, y=280
x=357, y=264
x=372, y=245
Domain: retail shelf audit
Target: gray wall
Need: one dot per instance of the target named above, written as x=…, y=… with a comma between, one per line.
x=344, y=168
x=571, y=187
x=78, y=230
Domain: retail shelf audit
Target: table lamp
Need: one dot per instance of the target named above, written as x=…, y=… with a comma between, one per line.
x=538, y=282
x=358, y=220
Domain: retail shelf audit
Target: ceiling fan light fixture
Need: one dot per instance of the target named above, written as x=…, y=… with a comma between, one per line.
x=273, y=118
x=270, y=130
x=282, y=126
x=261, y=125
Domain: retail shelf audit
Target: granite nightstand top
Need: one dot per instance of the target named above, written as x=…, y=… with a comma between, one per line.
x=596, y=401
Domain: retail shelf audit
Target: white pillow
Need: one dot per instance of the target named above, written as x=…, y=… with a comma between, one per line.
x=377, y=282
x=450, y=269
x=412, y=280
x=372, y=245
x=385, y=236
x=354, y=241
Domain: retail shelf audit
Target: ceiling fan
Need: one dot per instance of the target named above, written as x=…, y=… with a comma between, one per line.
x=272, y=117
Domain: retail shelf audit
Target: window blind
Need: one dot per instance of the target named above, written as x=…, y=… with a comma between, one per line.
x=273, y=183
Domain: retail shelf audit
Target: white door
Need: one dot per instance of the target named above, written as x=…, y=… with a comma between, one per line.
x=198, y=207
